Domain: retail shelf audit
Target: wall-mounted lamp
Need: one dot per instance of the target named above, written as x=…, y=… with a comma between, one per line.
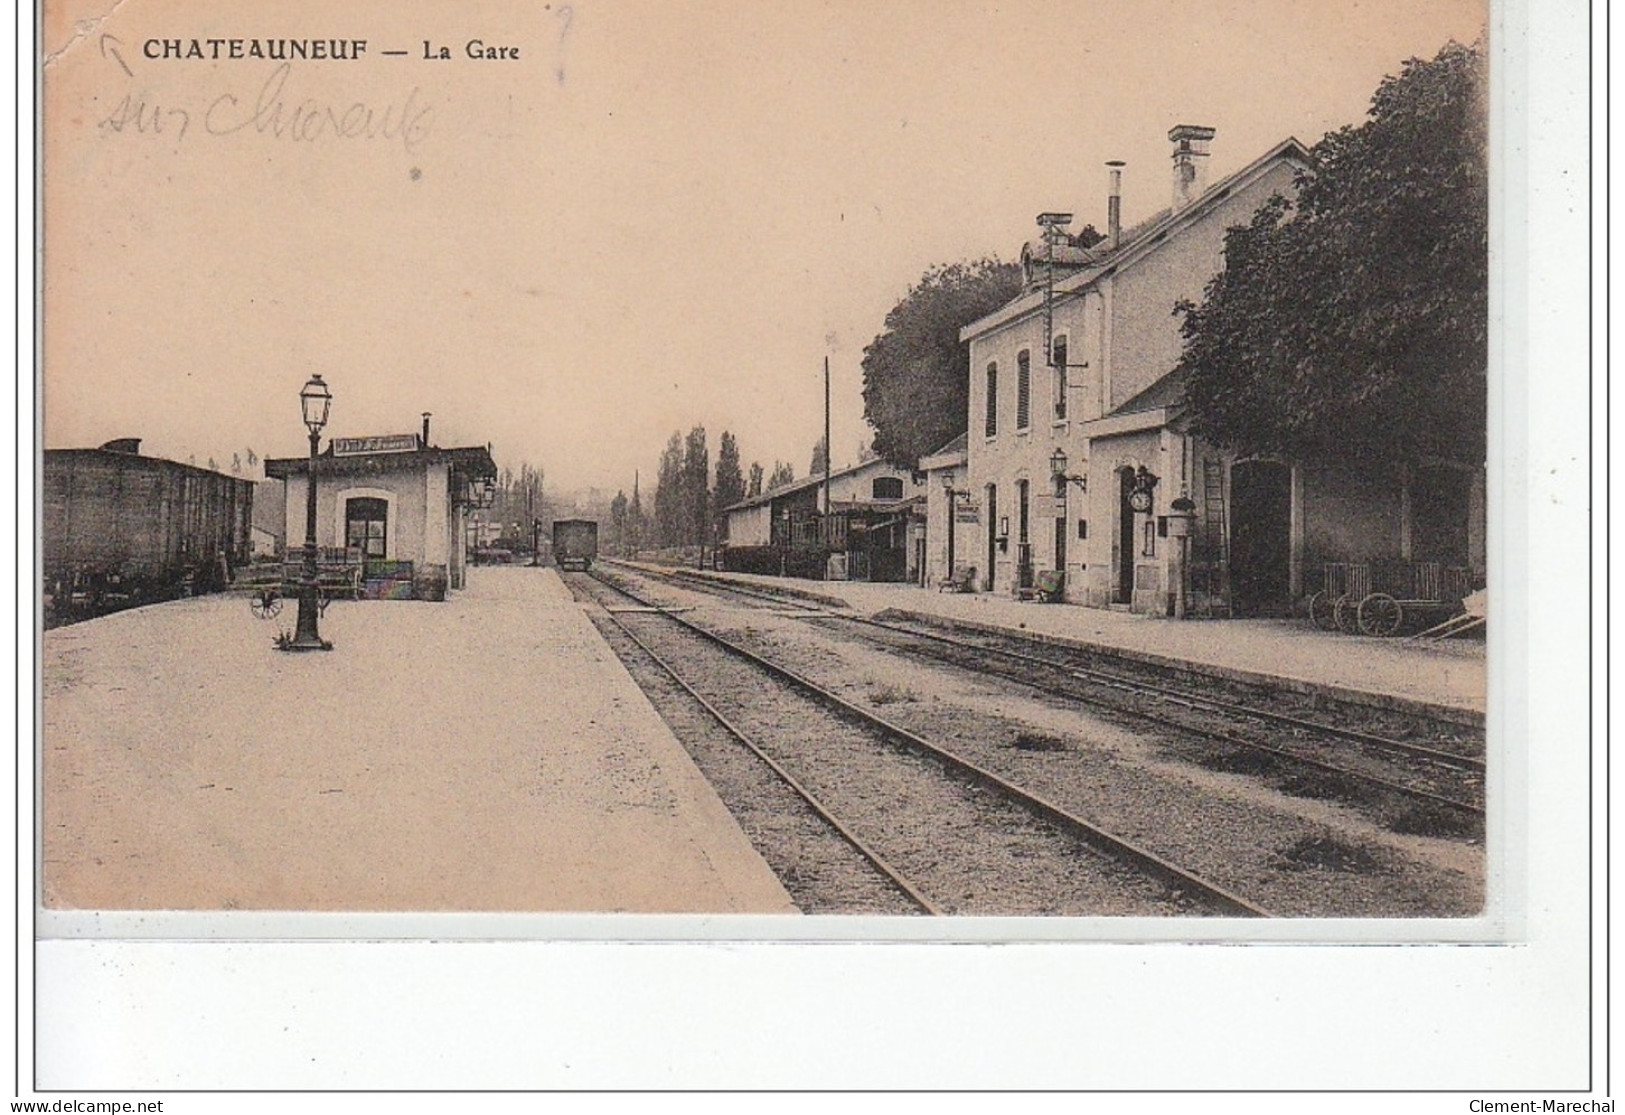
x=1057, y=470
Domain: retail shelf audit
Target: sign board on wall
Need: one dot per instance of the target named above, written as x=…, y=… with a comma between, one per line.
x=385, y=443
x=968, y=512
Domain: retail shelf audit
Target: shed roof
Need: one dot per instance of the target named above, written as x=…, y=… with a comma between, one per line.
x=812, y=481
x=474, y=461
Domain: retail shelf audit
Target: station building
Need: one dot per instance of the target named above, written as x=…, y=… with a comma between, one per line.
x=1079, y=458
x=394, y=504
x=872, y=529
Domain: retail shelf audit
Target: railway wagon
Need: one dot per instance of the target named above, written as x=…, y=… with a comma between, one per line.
x=575, y=543
x=120, y=529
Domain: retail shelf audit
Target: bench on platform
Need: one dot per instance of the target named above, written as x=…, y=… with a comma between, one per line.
x=1048, y=587
x=335, y=579
x=960, y=582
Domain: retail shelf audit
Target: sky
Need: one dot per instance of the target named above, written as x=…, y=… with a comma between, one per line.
x=656, y=216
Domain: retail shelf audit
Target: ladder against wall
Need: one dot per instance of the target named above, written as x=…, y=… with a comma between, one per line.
x=1210, y=566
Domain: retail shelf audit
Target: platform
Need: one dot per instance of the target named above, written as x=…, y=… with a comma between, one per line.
x=1292, y=652
x=489, y=753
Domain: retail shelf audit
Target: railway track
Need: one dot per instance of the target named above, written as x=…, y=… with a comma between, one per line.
x=949, y=835
x=1444, y=780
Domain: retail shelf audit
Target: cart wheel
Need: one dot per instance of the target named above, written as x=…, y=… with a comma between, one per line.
x=1380, y=615
x=1323, y=610
x=1345, y=614
x=265, y=605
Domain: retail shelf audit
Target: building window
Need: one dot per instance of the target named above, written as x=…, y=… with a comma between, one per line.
x=887, y=487
x=1058, y=360
x=992, y=399
x=1024, y=389
x=366, y=521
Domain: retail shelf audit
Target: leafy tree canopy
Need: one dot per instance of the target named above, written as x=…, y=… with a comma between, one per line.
x=729, y=488
x=1351, y=324
x=820, y=458
x=916, y=379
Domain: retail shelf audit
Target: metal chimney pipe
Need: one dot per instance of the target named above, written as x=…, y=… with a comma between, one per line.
x=426, y=429
x=1114, y=204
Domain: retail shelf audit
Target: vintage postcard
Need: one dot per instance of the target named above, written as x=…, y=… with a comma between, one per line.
x=791, y=471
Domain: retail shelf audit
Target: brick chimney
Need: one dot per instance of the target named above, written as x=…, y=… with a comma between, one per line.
x=1190, y=162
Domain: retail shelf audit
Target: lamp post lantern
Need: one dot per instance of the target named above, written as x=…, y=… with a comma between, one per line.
x=1057, y=471
x=1063, y=480
x=314, y=400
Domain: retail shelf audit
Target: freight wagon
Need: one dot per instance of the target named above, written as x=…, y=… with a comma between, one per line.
x=120, y=529
x=575, y=543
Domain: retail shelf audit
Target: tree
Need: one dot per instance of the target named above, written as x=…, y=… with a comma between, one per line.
x=754, y=489
x=820, y=458
x=668, y=493
x=617, y=519
x=730, y=483
x=783, y=474
x=696, y=487
x=916, y=374
x=637, y=526
x=1351, y=324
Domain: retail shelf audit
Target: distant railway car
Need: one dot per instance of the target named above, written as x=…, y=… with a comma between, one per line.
x=575, y=543
x=121, y=529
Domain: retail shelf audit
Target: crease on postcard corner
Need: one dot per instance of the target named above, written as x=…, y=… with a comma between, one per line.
x=83, y=29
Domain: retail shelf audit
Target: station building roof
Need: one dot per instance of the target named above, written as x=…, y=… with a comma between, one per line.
x=470, y=461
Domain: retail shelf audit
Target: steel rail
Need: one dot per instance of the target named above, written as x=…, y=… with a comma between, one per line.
x=1207, y=704
x=1197, y=704
x=879, y=862
x=1165, y=693
x=1091, y=834
x=1172, y=695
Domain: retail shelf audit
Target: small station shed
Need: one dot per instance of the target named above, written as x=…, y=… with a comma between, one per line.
x=873, y=528
x=393, y=504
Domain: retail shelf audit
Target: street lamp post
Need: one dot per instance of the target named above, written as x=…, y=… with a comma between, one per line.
x=954, y=496
x=953, y=499
x=314, y=399
x=1064, y=480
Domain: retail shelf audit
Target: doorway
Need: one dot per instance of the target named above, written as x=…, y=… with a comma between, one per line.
x=1261, y=538
x=992, y=534
x=1024, y=543
x=1124, y=587
x=366, y=525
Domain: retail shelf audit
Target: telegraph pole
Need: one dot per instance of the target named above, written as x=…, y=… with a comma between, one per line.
x=826, y=451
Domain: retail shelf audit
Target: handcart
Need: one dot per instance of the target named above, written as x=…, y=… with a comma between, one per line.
x=1378, y=598
x=337, y=578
